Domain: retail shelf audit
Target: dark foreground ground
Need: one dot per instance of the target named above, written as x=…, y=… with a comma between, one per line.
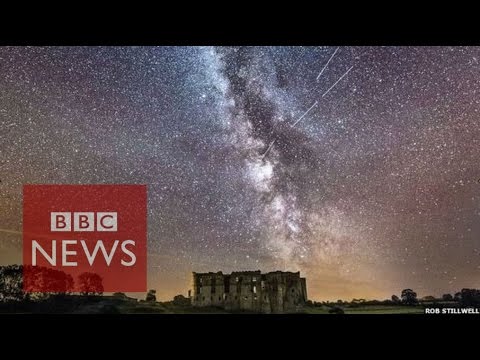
x=112, y=305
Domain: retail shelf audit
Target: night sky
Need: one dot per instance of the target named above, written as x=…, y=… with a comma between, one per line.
x=257, y=158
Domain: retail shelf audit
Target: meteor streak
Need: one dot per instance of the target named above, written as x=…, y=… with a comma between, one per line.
x=331, y=57
x=305, y=113
x=316, y=101
x=268, y=149
x=8, y=231
x=336, y=82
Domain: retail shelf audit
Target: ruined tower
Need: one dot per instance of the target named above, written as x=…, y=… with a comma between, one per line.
x=273, y=292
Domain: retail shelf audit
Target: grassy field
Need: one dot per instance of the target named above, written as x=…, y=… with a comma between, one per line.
x=163, y=308
x=385, y=309
x=170, y=308
x=370, y=309
x=111, y=305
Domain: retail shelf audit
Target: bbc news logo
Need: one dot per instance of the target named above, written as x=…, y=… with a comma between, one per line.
x=83, y=221
x=98, y=230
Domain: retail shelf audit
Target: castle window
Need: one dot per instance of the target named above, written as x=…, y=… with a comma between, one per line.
x=262, y=284
x=236, y=279
x=293, y=290
x=219, y=298
x=265, y=297
x=203, y=298
x=246, y=297
x=254, y=279
x=254, y=298
x=254, y=289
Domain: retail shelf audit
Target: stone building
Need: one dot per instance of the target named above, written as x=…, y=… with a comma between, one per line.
x=273, y=292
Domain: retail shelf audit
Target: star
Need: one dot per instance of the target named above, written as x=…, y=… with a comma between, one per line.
x=376, y=177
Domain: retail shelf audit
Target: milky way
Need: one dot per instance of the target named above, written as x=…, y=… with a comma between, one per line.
x=257, y=158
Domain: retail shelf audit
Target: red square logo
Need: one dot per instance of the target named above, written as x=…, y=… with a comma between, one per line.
x=85, y=238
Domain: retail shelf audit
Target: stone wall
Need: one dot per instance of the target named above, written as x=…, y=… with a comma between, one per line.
x=252, y=291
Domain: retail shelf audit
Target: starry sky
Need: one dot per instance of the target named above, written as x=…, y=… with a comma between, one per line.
x=357, y=166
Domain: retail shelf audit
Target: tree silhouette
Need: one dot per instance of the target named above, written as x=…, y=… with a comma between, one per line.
x=409, y=297
x=11, y=283
x=181, y=300
x=51, y=281
x=447, y=297
x=395, y=299
x=470, y=297
x=18, y=282
x=90, y=284
x=151, y=296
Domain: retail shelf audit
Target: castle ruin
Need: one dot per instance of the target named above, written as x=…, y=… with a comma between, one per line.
x=273, y=292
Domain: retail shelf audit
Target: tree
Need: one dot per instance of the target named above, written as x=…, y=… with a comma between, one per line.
x=457, y=297
x=17, y=283
x=409, y=297
x=447, y=297
x=181, y=300
x=429, y=298
x=151, y=296
x=395, y=299
x=357, y=301
x=51, y=281
x=11, y=283
x=470, y=297
x=90, y=284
